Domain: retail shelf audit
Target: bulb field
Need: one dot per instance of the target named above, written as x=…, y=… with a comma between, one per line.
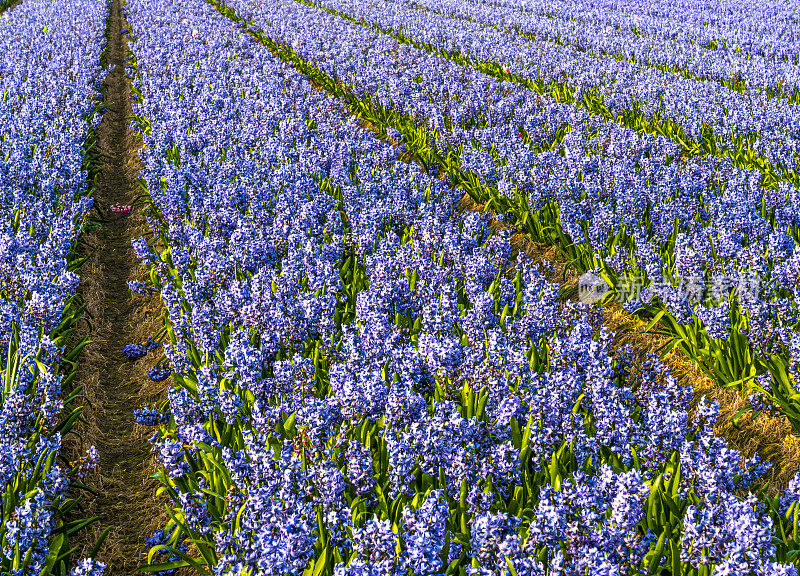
x=400, y=287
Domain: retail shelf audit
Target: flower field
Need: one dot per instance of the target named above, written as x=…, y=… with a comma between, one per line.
x=48, y=162
x=362, y=365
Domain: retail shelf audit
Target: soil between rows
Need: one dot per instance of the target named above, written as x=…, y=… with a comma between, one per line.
x=113, y=385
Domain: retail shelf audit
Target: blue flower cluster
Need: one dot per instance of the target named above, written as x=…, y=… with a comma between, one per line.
x=159, y=373
x=369, y=381
x=50, y=77
x=139, y=350
x=736, y=50
x=713, y=244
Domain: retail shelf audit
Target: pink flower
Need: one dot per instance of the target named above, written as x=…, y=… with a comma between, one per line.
x=120, y=209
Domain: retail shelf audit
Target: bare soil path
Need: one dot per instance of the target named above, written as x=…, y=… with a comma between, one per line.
x=115, y=386
x=6, y=5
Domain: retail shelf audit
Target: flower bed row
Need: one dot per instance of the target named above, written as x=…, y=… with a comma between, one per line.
x=749, y=29
x=700, y=234
x=50, y=77
x=367, y=381
x=703, y=117
x=603, y=34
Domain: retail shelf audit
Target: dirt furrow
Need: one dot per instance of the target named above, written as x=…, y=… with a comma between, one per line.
x=114, y=386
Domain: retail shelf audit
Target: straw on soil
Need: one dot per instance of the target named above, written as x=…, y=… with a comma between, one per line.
x=113, y=385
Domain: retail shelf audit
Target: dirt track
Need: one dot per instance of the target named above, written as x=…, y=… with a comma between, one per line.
x=115, y=386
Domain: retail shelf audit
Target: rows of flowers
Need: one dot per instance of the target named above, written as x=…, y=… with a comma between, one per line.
x=749, y=28
x=719, y=242
x=689, y=230
x=602, y=35
x=706, y=116
x=368, y=381
x=50, y=77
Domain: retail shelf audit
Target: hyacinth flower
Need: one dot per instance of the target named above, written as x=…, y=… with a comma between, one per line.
x=136, y=351
x=149, y=417
x=87, y=463
x=159, y=373
x=139, y=287
x=88, y=567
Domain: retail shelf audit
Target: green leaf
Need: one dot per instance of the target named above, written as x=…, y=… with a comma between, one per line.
x=321, y=564
x=164, y=566
x=52, y=554
x=657, y=554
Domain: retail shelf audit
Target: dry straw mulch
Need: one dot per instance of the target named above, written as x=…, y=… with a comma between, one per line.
x=113, y=385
